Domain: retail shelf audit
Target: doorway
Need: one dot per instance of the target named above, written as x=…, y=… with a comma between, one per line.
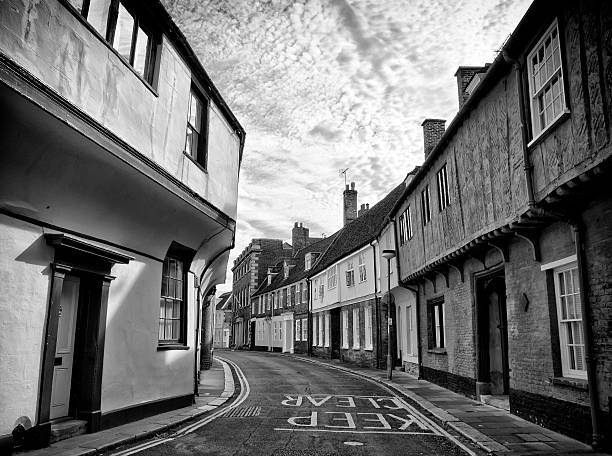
x=335, y=333
x=493, y=367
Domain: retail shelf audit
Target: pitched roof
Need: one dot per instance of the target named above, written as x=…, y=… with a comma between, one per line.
x=223, y=301
x=360, y=231
x=297, y=272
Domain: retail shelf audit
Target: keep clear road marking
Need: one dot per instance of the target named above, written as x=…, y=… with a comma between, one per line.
x=245, y=390
x=387, y=415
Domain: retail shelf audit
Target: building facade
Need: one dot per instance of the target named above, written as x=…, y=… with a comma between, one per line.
x=222, y=321
x=281, y=304
x=347, y=310
x=249, y=270
x=510, y=242
x=120, y=160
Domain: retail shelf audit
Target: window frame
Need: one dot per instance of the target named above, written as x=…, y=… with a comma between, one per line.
x=332, y=277
x=442, y=186
x=533, y=93
x=298, y=330
x=345, y=329
x=176, y=252
x=367, y=323
x=356, y=338
x=363, y=271
x=142, y=20
x=564, y=344
x=304, y=329
x=426, y=205
x=436, y=327
x=350, y=273
x=201, y=153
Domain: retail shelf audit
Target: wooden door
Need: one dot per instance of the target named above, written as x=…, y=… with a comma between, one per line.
x=64, y=350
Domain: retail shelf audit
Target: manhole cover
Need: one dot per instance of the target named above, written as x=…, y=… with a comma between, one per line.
x=243, y=412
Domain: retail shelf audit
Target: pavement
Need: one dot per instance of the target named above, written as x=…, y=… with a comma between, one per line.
x=215, y=388
x=494, y=430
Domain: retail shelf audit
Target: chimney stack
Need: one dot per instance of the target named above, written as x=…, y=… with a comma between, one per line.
x=350, y=204
x=299, y=237
x=433, y=129
x=464, y=75
x=363, y=209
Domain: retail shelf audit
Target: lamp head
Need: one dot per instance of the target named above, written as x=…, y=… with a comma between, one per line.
x=388, y=254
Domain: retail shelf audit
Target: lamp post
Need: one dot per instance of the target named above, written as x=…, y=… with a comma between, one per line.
x=389, y=255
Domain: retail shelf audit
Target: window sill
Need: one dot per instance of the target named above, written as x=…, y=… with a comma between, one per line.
x=544, y=133
x=437, y=351
x=199, y=165
x=577, y=383
x=369, y=349
x=172, y=347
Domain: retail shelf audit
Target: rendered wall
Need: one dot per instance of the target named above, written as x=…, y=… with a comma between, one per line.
x=134, y=370
x=56, y=46
x=25, y=282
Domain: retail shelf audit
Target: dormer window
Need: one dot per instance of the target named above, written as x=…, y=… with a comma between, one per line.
x=307, y=262
x=286, y=270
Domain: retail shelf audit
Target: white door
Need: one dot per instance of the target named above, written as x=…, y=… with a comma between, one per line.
x=64, y=349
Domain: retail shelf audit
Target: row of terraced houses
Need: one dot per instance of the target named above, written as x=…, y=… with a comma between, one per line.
x=497, y=250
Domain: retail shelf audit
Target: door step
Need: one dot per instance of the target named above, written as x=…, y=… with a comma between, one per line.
x=61, y=430
x=498, y=401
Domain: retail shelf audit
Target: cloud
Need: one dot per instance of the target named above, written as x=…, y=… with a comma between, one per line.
x=321, y=85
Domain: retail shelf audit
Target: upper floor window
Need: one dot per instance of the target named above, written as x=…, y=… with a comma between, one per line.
x=405, y=226
x=332, y=277
x=350, y=274
x=363, y=276
x=425, y=207
x=443, y=195
x=569, y=316
x=307, y=262
x=292, y=301
x=546, y=89
x=284, y=297
x=126, y=29
x=195, y=142
x=315, y=290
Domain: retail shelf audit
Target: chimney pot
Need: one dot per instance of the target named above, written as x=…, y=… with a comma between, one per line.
x=367, y=205
x=295, y=226
x=433, y=130
x=347, y=187
x=352, y=185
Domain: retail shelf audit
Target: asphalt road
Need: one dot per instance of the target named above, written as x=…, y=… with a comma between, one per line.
x=298, y=408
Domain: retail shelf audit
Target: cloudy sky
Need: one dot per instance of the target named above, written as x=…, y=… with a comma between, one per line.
x=324, y=85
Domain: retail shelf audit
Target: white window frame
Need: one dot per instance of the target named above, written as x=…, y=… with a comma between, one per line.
x=356, y=338
x=540, y=122
x=327, y=333
x=363, y=274
x=408, y=218
x=426, y=205
x=350, y=274
x=367, y=323
x=565, y=324
x=304, y=329
x=345, y=329
x=332, y=277
x=315, y=290
x=298, y=330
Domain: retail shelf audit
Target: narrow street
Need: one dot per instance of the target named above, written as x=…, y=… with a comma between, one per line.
x=297, y=408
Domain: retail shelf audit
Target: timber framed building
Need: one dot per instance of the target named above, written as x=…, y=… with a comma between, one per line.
x=510, y=245
x=118, y=192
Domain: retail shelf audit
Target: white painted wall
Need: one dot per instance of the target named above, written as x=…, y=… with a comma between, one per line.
x=63, y=53
x=134, y=371
x=343, y=294
x=25, y=279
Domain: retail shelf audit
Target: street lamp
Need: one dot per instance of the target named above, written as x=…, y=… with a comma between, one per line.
x=389, y=255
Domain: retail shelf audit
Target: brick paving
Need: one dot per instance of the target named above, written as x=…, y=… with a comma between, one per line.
x=494, y=430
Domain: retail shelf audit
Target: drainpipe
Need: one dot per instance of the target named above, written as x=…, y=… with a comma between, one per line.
x=576, y=228
x=588, y=334
x=196, y=370
x=377, y=307
x=309, y=335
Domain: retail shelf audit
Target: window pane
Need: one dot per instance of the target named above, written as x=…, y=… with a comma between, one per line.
x=140, y=53
x=78, y=4
x=123, y=33
x=176, y=329
x=98, y=15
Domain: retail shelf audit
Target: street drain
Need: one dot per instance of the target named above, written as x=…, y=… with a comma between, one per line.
x=243, y=412
x=353, y=443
